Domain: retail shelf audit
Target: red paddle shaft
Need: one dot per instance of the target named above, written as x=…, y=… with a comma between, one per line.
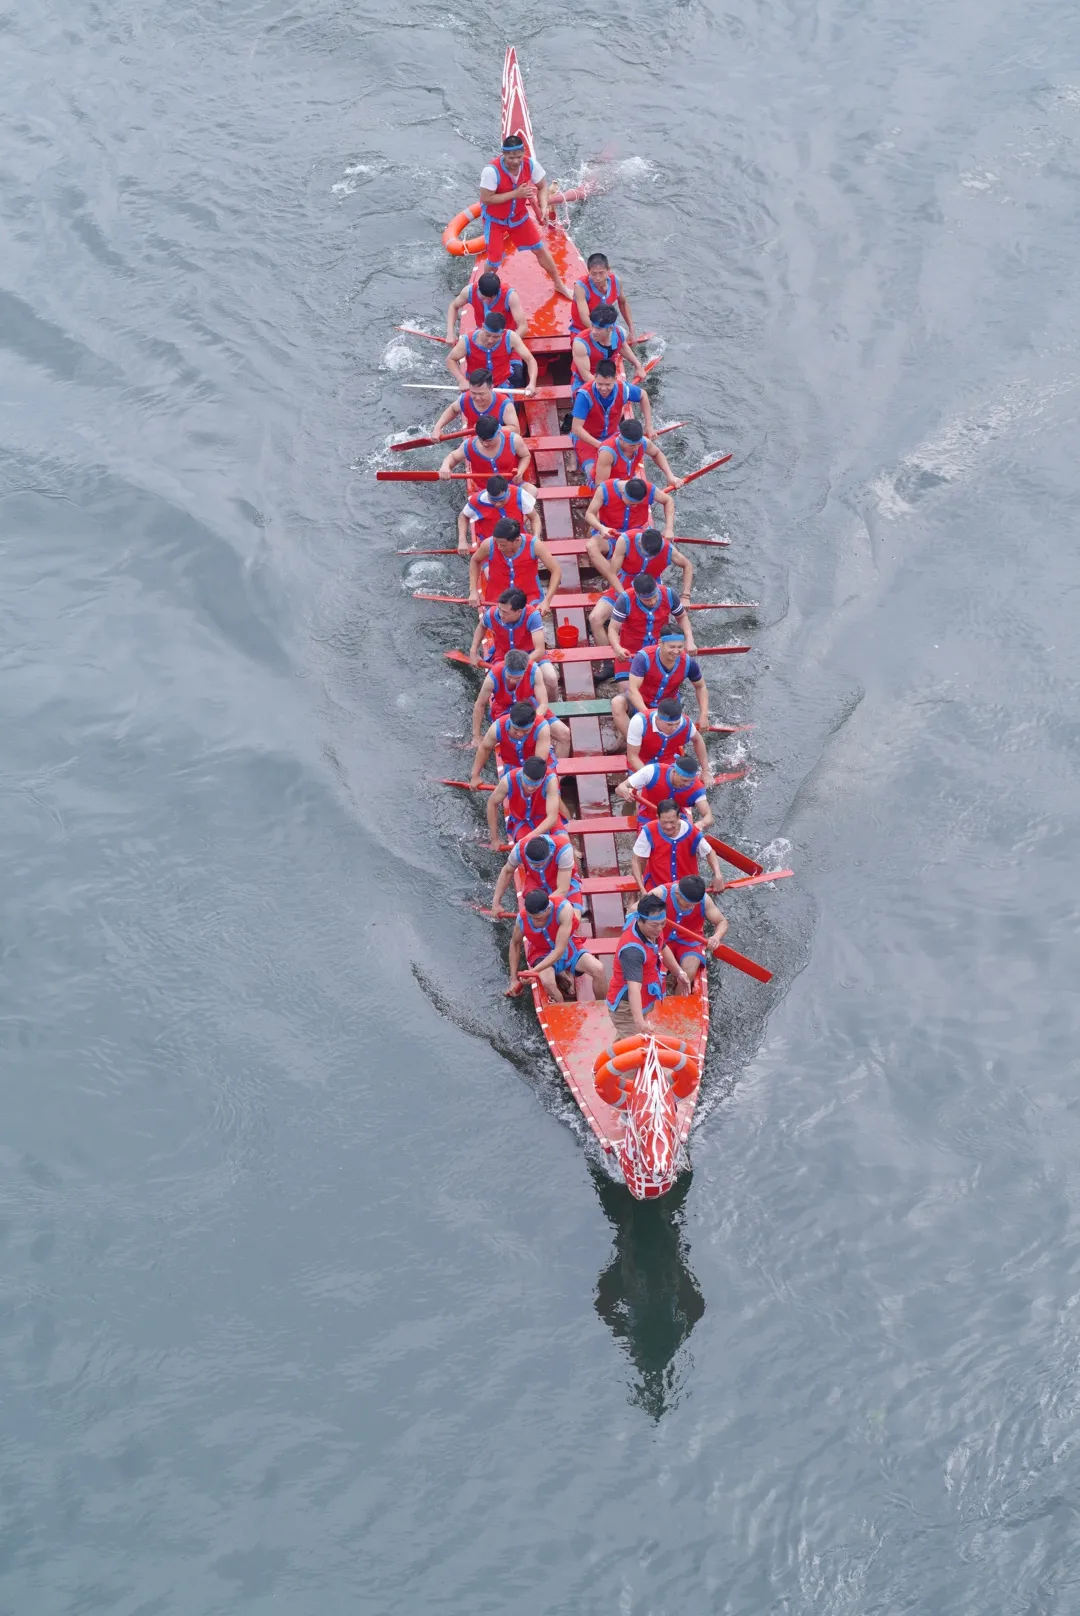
x=559, y=443
x=722, y=952
x=694, y=475
x=563, y=547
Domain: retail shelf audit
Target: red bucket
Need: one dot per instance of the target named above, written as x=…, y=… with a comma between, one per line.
x=566, y=635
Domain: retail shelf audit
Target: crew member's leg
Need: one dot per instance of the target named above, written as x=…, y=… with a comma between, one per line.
x=560, y=737
x=620, y=712
x=600, y=617
x=529, y=238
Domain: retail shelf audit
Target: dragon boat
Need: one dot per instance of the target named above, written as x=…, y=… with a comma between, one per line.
x=645, y=1138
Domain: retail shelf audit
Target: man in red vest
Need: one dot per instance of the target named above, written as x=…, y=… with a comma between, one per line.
x=481, y=398
x=667, y=848
x=689, y=907
x=638, y=973
x=485, y=294
x=663, y=736
x=553, y=946
x=490, y=452
x=529, y=799
x=510, y=560
x=509, y=184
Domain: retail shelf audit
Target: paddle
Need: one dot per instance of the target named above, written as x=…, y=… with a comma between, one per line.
x=464, y=785
x=548, y=445
x=758, y=880
x=567, y=602
x=722, y=952
x=694, y=475
x=564, y=547
x=411, y=331
x=731, y=855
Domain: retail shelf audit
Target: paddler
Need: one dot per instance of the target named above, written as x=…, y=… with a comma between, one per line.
x=689, y=906
x=511, y=624
x=634, y=553
x=640, y=615
x=519, y=734
x=513, y=679
x=657, y=672
x=669, y=847
x=508, y=184
x=485, y=294
x=638, y=972
x=498, y=500
x=600, y=286
x=680, y=782
x=497, y=349
x=510, y=560
x=479, y=400
x=529, y=799
x=623, y=456
x=553, y=945
x=627, y=507
x=599, y=409
x=547, y=864
x=662, y=736
x=491, y=451
x=603, y=340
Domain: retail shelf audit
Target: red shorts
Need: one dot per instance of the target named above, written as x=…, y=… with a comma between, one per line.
x=526, y=237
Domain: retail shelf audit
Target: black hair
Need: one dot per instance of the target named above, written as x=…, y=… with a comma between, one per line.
x=686, y=763
x=522, y=714
x=516, y=139
x=489, y=284
x=536, y=848
x=652, y=541
x=693, y=888
x=478, y=377
x=536, y=901
x=507, y=528
x=604, y=316
x=670, y=710
x=606, y=368
x=496, y=486
x=631, y=430
x=517, y=661
x=495, y=322
x=644, y=583
x=651, y=906
x=534, y=768
x=486, y=428
x=597, y=261
x=637, y=488
x=668, y=806
x=516, y=599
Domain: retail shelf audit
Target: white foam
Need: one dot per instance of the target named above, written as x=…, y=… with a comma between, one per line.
x=398, y=356
x=344, y=188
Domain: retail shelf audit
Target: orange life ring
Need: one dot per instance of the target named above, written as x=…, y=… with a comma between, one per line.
x=451, y=236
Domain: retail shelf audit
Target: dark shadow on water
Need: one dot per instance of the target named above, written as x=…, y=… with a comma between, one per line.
x=647, y=1295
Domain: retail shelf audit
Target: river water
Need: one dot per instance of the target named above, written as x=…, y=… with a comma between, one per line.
x=315, y=1299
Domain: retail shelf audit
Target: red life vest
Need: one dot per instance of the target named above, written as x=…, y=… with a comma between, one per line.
x=495, y=305
x=505, y=694
x=623, y=466
x=643, y=625
x=514, y=749
x=670, y=857
x=512, y=507
x=546, y=877
x=652, y=976
x=514, y=212
x=597, y=351
x=496, y=410
x=625, y=515
x=635, y=560
x=604, y=413
x=692, y=918
x=659, y=682
x=540, y=940
x=594, y=299
x=666, y=787
x=503, y=463
x=517, y=571
x=506, y=635
x=524, y=810
x=657, y=748
x=498, y=358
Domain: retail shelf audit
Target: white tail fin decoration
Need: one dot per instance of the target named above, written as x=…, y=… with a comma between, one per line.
x=649, y=1149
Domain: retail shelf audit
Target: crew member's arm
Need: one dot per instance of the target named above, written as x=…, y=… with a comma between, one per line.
x=618, y=617
x=546, y=559
x=552, y=814
x=634, y=734
x=479, y=558
x=543, y=193
x=526, y=189
x=701, y=691
x=646, y=409
x=719, y=923
x=455, y=458
x=538, y=694
x=497, y=797
x=456, y=306
x=686, y=567
x=628, y=353
x=517, y=314
x=718, y=882
x=673, y=965
x=474, y=648
x=580, y=355
x=522, y=352
x=667, y=505
x=577, y=424
x=542, y=749
x=508, y=415
x=581, y=304
x=592, y=515
x=451, y=413
x=487, y=690
x=483, y=752
x=627, y=789
x=624, y=310
x=453, y=364
x=703, y=813
x=515, y=960
x=523, y=454
x=638, y=859
x=565, y=876
x=633, y=999
x=660, y=461
x=602, y=470
x=539, y=650
x=702, y=756
x=562, y=938
x=528, y=493
x=681, y=616
x=464, y=537
x=506, y=875
x=608, y=570
x=633, y=689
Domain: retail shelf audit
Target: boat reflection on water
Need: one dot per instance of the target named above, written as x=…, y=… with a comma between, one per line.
x=647, y=1295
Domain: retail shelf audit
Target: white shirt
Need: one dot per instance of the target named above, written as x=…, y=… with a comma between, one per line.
x=528, y=501
x=489, y=177
x=636, y=734
x=643, y=848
